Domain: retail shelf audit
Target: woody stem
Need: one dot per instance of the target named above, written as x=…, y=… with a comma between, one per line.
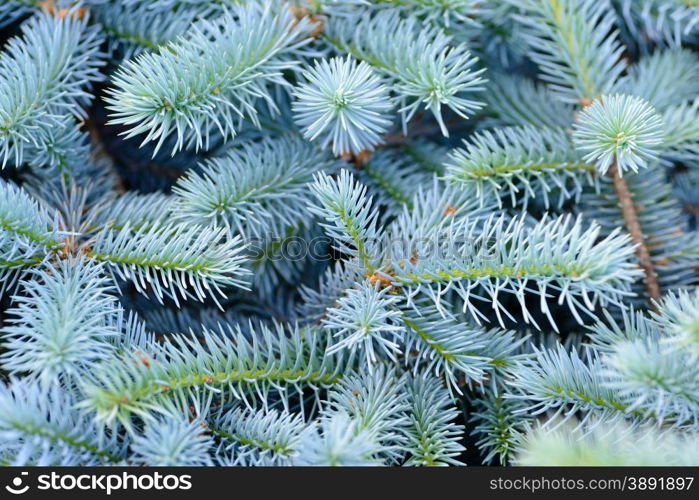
x=630, y=215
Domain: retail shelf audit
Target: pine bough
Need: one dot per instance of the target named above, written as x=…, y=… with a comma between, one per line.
x=285, y=233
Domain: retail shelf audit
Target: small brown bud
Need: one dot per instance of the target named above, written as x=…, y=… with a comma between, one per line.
x=448, y=210
x=381, y=279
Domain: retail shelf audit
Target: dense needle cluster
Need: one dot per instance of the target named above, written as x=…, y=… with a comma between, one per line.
x=349, y=232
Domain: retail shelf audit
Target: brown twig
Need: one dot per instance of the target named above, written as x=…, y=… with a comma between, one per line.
x=630, y=214
x=397, y=138
x=691, y=209
x=417, y=129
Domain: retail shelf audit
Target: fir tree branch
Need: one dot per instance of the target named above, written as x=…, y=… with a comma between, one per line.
x=268, y=434
x=207, y=82
x=42, y=427
x=432, y=260
x=231, y=362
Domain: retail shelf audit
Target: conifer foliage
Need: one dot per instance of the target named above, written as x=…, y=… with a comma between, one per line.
x=329, y=232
